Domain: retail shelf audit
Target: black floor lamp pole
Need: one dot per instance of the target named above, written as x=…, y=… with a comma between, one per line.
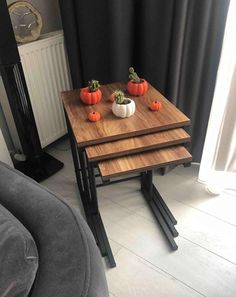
x=38, y=164
x=21, y=109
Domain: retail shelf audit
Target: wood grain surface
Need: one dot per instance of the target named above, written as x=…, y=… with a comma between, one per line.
x=112, y=128
x=144, y=161
x=136, y=144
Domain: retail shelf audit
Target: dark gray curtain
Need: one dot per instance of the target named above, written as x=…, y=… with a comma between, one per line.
x=174, y=44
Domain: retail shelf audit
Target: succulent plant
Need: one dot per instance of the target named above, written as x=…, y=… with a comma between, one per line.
x=93, y=85
x=119, y=96
x=133, y=75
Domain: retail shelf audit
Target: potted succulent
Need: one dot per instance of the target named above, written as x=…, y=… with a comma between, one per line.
x=91, y=94
x=136, y=86
x=122, y=107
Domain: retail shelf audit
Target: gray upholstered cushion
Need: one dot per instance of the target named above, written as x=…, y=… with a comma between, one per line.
x=69, y=261
x=18, y=256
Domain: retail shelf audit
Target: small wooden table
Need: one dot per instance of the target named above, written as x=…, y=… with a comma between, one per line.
x=141, y=143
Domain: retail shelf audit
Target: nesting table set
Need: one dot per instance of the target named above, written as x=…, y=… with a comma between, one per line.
x=117, y=147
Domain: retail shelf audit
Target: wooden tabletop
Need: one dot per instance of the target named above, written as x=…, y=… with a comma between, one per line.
x=110, y=127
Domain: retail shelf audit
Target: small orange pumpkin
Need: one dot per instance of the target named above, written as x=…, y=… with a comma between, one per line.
x=90, y=97
x=94, y=116
x=155, y=105
x=111, y=98
x=137, y=89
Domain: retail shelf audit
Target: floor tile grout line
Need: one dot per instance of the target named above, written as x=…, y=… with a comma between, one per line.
x=129, y=211
x=132, y=212
x=223, y=258
x=212, y=252
x=61, y=175
x=196, y=244
x=205, y=212
x=78, y=197
x=113, y=295
x=138, y=214
x=145, y=218
x=120, y=247
x=197, y=209
x=69, y=178
x=150, y=263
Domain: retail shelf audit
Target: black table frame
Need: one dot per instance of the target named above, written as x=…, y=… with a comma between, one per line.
x=85, y=177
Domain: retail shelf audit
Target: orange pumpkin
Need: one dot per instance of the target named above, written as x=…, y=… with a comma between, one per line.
x=137, y=89
x=90, y=97
x=155, y=105
x=111, y=98
x=94, y=116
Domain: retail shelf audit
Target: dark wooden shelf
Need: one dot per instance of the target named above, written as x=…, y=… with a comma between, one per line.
x=144, y=161
x=137, y=144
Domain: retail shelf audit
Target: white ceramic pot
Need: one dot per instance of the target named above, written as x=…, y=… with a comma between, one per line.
x=124, y=110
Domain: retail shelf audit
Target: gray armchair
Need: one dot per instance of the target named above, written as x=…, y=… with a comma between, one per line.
x=69, y=263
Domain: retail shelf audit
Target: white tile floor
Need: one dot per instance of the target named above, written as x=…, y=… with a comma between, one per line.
x=205, y=263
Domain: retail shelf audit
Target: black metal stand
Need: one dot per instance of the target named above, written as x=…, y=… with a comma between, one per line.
x=38, y=165
x=85, y=177
x=159, y=208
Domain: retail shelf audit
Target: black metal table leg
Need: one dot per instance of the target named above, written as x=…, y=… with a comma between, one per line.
x=77, y=167
x=160, y=220
x=165, y=216
x=103, y=242
x=87, y=187
x=159, y=208
x=166, y=208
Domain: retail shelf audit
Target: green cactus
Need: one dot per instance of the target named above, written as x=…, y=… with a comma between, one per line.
x=93, y=85
x=119, y=97
x=133, y=75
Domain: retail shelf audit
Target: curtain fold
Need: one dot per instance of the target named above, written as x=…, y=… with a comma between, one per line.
x=174, y=44
x=218, y=164
x=226, y=149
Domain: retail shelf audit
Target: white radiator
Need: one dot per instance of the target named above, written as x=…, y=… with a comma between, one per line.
x=46, y=72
